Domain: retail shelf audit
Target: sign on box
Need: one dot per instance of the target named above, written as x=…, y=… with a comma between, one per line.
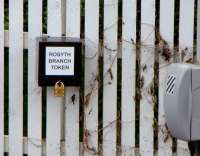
x=59, y=61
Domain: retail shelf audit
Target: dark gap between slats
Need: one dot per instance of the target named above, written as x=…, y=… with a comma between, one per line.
x=25, y=16
x=176, y=30
x=100, y=61
x=100, y=105
x=6, y=90
x=119, y=78
x=195, y=31
x=25, y=72
x=25, y=92
x=82, y=93
x=6, y=72
x=156, y=76
x=5, y=153
x=137, y=80
x=6, y=14
x=82, y=19
x=119, y=89
x=81, y=107
x=176, y=49
x=44, y=101
x=44, y=91
x=44, y=16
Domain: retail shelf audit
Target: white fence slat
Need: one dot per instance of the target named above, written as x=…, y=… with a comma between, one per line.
x=73, y=18
x=72, y=107
x=110, y=77
x=147, y=75
x=182, y=148
x=34, y=92
x=72, y=121
x=91, y=76
x=128, y=77
x=166, y=34
x=6, y=39
x=186, y=30
x=16, y=77
x=53, y=133
x=1, y=77
x=54, y=104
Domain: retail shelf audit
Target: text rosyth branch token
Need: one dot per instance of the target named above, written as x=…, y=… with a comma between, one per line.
x=59, y=60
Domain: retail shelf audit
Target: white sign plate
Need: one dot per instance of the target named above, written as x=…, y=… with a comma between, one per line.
x=59, y=61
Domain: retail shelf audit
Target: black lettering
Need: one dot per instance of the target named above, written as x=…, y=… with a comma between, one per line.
x=50, y=54
x=50, y=60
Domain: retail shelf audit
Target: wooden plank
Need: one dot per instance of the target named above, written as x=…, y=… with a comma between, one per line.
x=110, y=77
x=25, y=39
x=1, y=76
x=166, y=43
x=128, y=77
x=91, y=76
x=54, y=104
x=186, y=30
x=147, y=75
x=16, y=77
x=72, y=106
x=34, y=92
x=72, y=121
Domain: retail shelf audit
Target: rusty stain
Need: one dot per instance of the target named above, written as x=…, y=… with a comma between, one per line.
x=190, y=60
x=138, y=96
x=97, y=78
x=109, y=83
x=109, y=49
x=155, y=126
x=168, y=135
x=87, y=147
x=165, y=50
x=141, y=81
x=73, y=97
x=183, y=54
x=90, y=112
x=87, y=98
x=110, y=73
x=151, y=89
x=166, y=138
x=166, y=54
x=144, y=67
x=132, y=40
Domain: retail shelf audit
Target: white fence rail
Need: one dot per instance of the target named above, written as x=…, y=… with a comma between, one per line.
x=118, y=110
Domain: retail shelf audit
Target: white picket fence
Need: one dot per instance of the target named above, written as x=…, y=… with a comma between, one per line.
x=63, y=115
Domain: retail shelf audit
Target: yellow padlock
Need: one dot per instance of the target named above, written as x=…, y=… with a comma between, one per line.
x=59, y=89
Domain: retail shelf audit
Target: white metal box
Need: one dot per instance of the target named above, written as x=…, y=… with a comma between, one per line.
x=182, y=101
